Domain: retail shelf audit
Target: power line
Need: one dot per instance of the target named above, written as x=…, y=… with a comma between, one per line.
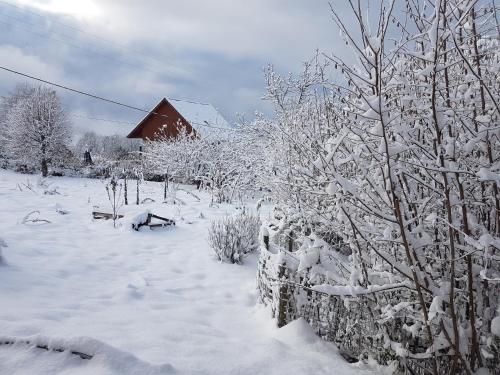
x=102, y=119
x=74, y=45
x=100, y=53
x=79, y=92
x=102, y=98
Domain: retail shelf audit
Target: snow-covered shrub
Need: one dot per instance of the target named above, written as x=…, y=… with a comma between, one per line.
x=232, y=238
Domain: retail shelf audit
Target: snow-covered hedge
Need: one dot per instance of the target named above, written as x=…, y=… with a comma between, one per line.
x=396, y=159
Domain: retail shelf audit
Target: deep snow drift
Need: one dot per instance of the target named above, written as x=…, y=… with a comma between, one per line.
x=147, y=302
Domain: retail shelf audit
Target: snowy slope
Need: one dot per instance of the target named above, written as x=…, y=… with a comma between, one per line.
x=149, y=302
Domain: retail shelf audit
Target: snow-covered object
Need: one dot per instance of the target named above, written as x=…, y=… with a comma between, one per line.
x=348, y=290
x=135, y=220
x=48, y=355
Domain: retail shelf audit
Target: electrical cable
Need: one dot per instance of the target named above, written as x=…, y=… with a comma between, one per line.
x=103, y=99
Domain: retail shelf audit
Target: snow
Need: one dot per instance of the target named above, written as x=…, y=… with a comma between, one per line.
x=148, y=302
x=486, y=175
x=201, y=116
x=495, y=324
x=139, y=218
x=351, y=290
x=24, y=357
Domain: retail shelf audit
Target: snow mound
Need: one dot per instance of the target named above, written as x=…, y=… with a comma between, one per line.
x=298, y=333
x=43, y=355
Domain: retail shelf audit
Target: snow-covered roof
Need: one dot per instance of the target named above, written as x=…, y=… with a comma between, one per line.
x=202, y=116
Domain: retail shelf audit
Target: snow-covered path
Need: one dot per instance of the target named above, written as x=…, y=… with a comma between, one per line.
x=158, y=295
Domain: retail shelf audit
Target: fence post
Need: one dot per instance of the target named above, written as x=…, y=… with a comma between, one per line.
x=137, y=192
x=283, y=295
x=290, y=242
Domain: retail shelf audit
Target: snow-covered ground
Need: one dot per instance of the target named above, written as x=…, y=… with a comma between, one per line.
x=148, y=302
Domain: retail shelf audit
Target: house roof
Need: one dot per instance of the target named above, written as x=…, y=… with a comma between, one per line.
x=203, y=117
x=135, y=131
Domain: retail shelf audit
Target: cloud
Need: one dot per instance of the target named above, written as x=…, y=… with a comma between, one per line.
x=82, y=9
x=280, y=31
x=12, y=56
x=137, y=52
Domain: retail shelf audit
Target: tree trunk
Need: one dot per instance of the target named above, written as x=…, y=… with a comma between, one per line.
x=45, y=168
x=165, y=186
x=125, y=190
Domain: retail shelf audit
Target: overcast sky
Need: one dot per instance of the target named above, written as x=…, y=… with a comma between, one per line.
x=140, y=51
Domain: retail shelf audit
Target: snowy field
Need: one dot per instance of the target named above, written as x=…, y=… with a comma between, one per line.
x=148, y=302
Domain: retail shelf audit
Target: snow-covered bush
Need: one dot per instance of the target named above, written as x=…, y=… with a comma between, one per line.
x=231, y=238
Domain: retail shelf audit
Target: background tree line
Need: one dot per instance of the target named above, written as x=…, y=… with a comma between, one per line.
x=36, y=134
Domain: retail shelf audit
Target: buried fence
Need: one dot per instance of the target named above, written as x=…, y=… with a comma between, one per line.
x=354, y=323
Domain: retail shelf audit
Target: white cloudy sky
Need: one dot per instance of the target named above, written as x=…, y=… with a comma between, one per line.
x=139, y=51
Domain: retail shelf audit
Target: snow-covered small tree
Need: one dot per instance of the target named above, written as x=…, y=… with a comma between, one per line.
x=225, y=162
x=36, y=128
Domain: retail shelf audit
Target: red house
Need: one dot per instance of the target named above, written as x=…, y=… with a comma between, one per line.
x=170, y=115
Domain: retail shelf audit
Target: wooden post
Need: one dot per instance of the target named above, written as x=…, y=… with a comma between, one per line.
x=266, y=241
x=137, y=197
x=125, y=191
x=290, y=242
x=165, y=186
x=283, y=295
